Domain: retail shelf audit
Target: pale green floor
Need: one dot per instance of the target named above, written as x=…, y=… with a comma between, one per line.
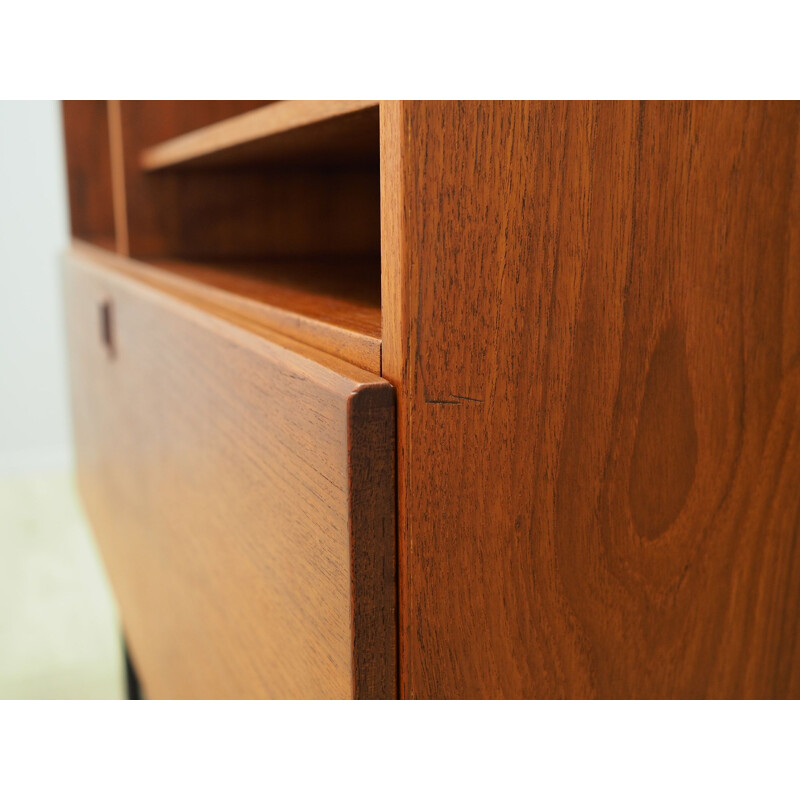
x=59, y=636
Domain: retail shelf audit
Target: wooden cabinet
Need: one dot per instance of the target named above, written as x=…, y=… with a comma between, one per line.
x=432, y=399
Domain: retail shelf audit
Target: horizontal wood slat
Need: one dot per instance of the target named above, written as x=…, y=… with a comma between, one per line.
x=239, y=136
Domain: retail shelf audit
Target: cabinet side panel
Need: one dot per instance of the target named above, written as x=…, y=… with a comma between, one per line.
x=592, y=316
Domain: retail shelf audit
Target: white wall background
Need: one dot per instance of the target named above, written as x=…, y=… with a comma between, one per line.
x=34, y=413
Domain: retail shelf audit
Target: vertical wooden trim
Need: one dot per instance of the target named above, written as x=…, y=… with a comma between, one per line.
x=393, y=322
x=373, y=590
x=118, y=176
x=393, y=247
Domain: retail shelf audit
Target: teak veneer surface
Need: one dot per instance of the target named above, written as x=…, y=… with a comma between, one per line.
x=295, y=131
x=592, y=317
x=332, y=305
x=242, y=492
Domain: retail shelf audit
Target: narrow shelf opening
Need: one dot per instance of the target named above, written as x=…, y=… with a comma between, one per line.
x=88, y=159
x=331, y=304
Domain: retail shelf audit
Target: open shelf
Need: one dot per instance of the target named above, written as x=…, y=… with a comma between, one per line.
x=291, y=131
x=332, y=304
x=266, y=214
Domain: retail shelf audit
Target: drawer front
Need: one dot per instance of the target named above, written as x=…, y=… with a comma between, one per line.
x=241, y=490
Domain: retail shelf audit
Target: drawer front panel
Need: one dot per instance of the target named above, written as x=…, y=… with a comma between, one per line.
x=241, y=490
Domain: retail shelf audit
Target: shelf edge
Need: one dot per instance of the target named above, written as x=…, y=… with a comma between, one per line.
x=260, y=123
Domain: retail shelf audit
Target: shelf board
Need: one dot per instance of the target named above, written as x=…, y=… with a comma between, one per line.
x=289, y=131
x=332, y=305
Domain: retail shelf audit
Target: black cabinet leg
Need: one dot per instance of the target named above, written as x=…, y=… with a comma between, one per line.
x=131, y=678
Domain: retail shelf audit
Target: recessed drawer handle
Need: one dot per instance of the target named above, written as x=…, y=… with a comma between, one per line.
x=107, y=327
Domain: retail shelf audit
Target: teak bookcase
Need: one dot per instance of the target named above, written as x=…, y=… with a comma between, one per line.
x=442, y=400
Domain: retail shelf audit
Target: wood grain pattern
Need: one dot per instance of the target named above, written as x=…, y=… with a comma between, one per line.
x=596, y=344
x=333, y=306
x=307, y=131
x=242, y=492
